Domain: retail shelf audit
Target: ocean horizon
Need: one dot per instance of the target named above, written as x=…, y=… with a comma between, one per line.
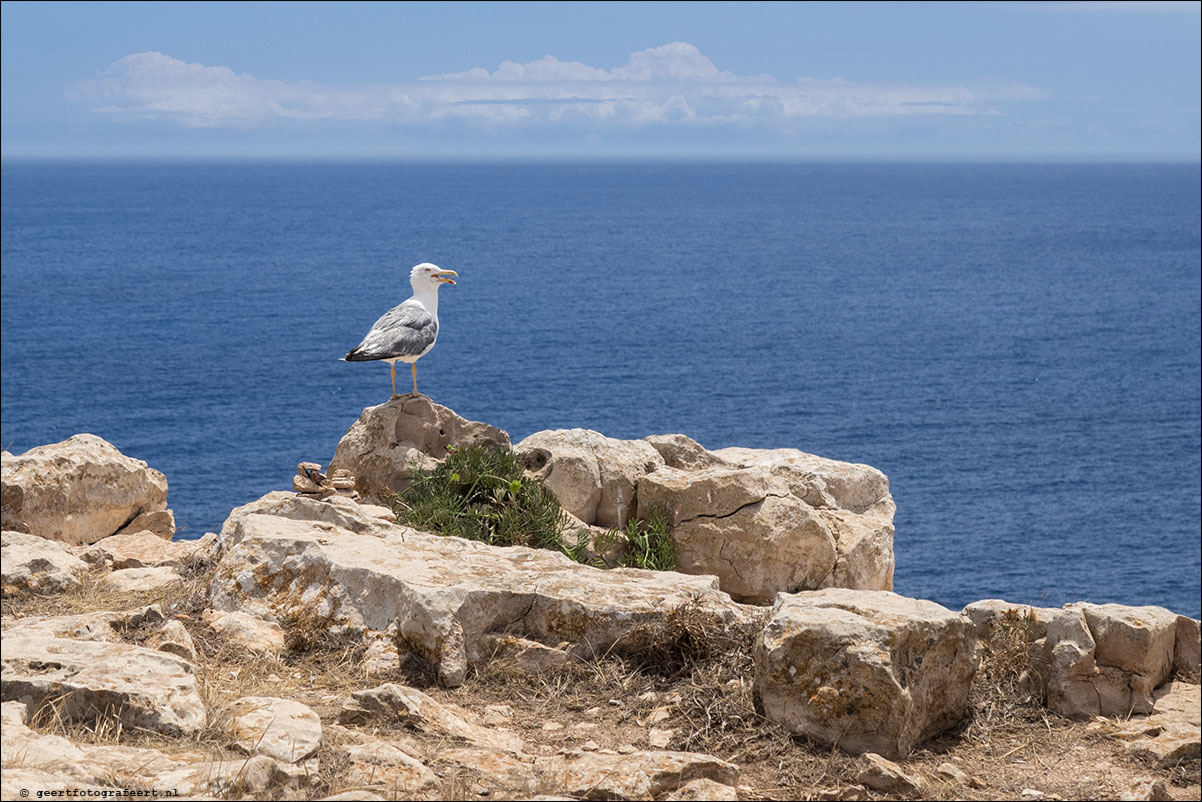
x=1016, y=345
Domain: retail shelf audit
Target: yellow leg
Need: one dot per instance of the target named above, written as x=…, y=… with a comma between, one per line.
x=392, y=370
x=413, y=367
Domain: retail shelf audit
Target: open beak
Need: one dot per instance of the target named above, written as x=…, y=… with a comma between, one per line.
x=445, y=276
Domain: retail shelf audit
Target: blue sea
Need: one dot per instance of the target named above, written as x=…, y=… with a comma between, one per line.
x=1016, y=346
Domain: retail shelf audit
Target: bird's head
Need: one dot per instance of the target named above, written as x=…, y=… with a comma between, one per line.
x=427, y=276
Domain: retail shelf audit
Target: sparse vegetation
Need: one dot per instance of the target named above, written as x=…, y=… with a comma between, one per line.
x=483, y=494
x=649, y=544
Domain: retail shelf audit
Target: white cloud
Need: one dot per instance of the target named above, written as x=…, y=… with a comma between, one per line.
x=672, y=84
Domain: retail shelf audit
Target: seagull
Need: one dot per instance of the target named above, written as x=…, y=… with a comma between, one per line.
x=407, y=332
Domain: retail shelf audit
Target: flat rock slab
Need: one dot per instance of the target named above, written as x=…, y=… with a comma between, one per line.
x=441, y=595
x=93, y=679
x=279, y=728
x=78, y=491
x=141, y=580
x=33, y=564
x=867, y=671
x=139, y=549
x=1170, y=734
x=398, y=703
x=641, y=775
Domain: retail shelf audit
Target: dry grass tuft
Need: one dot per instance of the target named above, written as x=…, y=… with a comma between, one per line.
x=1007, y=690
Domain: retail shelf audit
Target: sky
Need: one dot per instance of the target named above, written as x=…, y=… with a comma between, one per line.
x=929, y=81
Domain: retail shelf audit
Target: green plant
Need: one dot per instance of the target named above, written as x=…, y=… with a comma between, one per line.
x=483, y=494
x=649, y=544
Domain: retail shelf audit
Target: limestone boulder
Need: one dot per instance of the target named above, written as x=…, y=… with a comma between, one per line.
x=174, y=638
x=595, y=477
x=641, y=775
x=766, y=522
x=244, y=631
x=160, y=523
x=1187, y=647
x=78, y=491
x=383, y=764
x=33, y=564
x=108, y=626
x=867, y=671
x=1106, y=660
x=89, y=680
x=141, y=580
x=1168, y=735
x=777, y=544
x=51, y=763
x=441, y=595
x=683, y=452
x=389, y=442
x=1095, y=659
x=137, y=549
x=418, y=711
x=280, y=728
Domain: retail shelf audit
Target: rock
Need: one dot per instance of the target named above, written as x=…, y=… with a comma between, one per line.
x=105, y=626
x=137, y=549
x=764, y=522
x=774, y=545
x=33, y=564
x=160, y=523
x=441, y=594
x=848, y=793
x=641, y=775
x=381, y=448
x=520, y=654
x=173, y=638
x=78, y=491
x=1094, y=659
x=141, y=580
x=595, y=477
x=89, y=680
x=952, y=773
x=659, y=738
x=701, y=790
x=381, y=655
x=1107, y=659
x=818, y=481
x=392, y=702
x=375, y=763
x=353, y=796
x=246, y=631
x=1146, y=789
x=280, y=728
x=685, y=453
x=865, y=670
x=1172, y=733
x=886, y=776
x=1187, y=647
x=50, y=762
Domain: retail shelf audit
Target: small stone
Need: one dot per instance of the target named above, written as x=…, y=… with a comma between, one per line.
x=552, y=726
x=952, y=773
x=303, y=484
x=306, y=468
x=703, y=789
x=626, y=749
x=659, y=739
x=886, y=776
x=1146, y=789
x=658, y=714
x=589, y=746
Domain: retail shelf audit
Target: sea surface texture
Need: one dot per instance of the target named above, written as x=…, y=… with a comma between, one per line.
x=1016, y=346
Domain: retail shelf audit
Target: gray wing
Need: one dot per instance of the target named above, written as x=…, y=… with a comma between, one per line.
x=405, y=330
